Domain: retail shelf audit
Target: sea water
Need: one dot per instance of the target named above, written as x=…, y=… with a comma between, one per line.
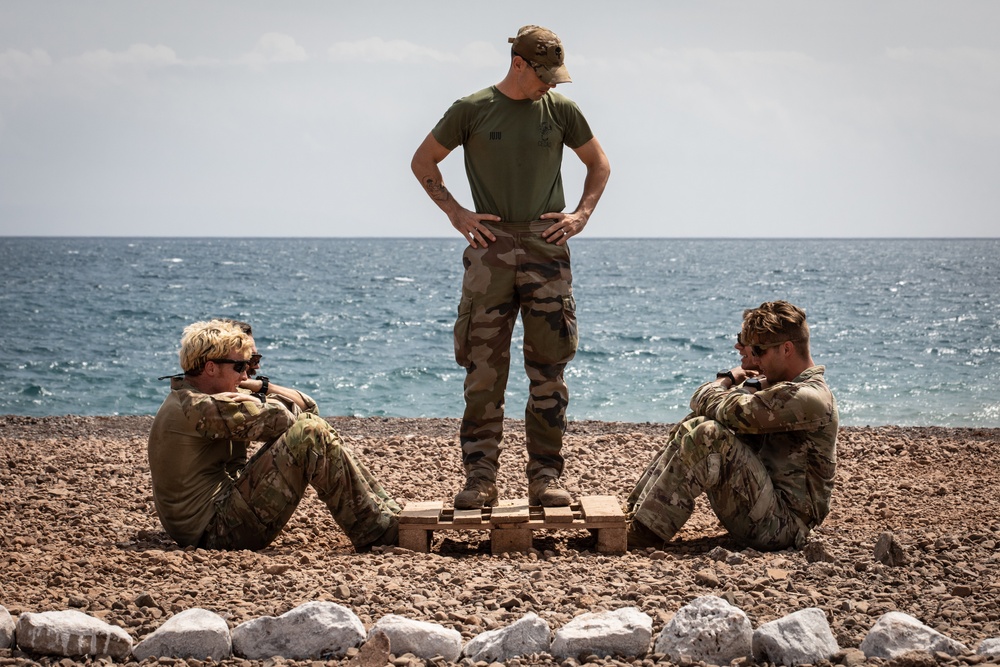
x=909, y=330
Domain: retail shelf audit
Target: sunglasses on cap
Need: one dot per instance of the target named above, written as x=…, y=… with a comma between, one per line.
x=239, y=365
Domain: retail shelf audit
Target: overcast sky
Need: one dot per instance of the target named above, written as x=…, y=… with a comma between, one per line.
x=749, y=118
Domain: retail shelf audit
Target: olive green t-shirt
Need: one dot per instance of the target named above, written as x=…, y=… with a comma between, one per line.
x=513, y=150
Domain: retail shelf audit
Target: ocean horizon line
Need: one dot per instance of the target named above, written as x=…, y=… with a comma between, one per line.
x=448, y=237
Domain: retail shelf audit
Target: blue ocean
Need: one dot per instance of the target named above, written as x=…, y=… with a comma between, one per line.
x=909, y=329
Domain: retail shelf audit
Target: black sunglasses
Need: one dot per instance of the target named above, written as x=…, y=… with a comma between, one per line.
x=239, y=365
x=760, y=349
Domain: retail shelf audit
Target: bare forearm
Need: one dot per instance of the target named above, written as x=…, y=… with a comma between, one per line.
x=593, y=188
x=598, y=173
x=433, y=183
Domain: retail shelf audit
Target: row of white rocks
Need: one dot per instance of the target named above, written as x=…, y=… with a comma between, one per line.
x=708, y=629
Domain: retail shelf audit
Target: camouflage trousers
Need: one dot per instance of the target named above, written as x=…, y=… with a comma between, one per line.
x=703, y=456
x=269, y=488
x=519, y=272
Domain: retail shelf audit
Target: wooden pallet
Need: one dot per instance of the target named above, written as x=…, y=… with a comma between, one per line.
x=512, y=522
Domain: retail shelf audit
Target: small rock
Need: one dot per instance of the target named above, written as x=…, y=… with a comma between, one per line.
x=896, y=633
x=849, y=657
x=709, y=629
x=624, y=632
x=803, y=637
x=70, y=633
x=6, y=629
x=707, y=577
x=422, y=639
x=195, y=633
x=817, y=552
x=310, y=631
x=989, y=647
x=374, y=652
x=530, y=634
x=145, y=600
x=888, y=551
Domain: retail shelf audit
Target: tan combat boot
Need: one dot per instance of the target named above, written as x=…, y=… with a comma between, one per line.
x=479, y=492
x=545, y=491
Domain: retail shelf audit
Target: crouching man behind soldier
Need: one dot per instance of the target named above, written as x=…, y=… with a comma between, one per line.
x=206, y=491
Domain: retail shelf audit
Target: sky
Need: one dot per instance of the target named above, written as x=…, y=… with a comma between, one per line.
x=748, y=118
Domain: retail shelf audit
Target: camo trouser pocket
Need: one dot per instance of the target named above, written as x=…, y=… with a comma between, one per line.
x=463, y=326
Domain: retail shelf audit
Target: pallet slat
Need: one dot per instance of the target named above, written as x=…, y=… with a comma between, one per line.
x=512, y=514
x=427, y=511
x=601, y=508
x=558, y=514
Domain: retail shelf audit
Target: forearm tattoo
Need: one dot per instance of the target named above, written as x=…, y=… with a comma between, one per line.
x=437, y=191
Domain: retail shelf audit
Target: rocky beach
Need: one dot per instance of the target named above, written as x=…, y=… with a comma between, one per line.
x=80, y=532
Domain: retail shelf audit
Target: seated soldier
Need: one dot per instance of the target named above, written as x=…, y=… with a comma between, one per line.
x=765, y=459
x=207, y=493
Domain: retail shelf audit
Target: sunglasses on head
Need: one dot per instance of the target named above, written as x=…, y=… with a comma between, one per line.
x=239, y=365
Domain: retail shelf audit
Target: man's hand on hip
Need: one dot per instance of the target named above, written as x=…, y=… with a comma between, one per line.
x=471, y=227
x=564, y=226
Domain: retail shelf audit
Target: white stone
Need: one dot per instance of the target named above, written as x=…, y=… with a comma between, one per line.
x=895, y=633
x=312, y=631
x=803, y=637
x=529, y=634
x=70, y=634
x=422, y=639
x=6, y=628
x=194, y=633
x=623, y=632
x=709, y=629
x=989, y=647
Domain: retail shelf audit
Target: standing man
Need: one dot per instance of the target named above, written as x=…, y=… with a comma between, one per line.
x=517, y=260
x=765, y=459
x=208, y=494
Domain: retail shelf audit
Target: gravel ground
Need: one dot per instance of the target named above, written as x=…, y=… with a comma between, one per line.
x=79, y=531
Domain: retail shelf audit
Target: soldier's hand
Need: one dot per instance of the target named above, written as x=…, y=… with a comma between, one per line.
x=470, y=225
x=739, y=375
x=565, y=226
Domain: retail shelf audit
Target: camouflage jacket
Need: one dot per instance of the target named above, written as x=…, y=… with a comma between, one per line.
x=793, y=428
x=197, y=446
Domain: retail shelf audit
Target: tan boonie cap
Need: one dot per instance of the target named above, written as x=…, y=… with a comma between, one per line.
x=543, y=51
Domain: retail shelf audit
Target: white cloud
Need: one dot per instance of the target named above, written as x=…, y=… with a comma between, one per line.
x=275, y=47
x=18, y=66
x=376, y=49
x=137, y=56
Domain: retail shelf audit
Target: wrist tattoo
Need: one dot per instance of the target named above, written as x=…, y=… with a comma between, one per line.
x=436, y=190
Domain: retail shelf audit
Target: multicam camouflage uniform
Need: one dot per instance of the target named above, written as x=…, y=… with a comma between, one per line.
x=765, y=460
x=208, y=494
x=520, y=271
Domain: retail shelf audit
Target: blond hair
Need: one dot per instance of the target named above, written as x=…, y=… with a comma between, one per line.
x=776, y=322
x=215, y=339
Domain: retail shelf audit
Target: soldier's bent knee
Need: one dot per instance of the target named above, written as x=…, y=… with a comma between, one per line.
x=311, y=433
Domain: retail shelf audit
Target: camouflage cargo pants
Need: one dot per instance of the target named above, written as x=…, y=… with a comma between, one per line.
x=519, y=272
x=705, y=456
x=269, y=488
